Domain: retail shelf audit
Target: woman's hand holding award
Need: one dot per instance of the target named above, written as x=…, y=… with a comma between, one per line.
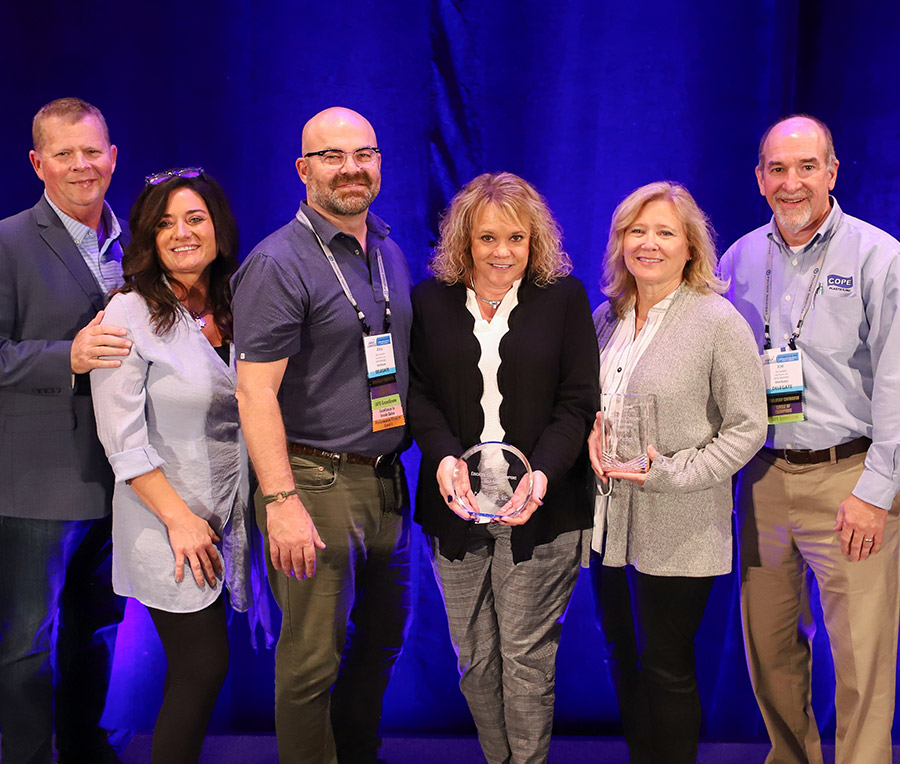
x=492, y=480
x=625, y=432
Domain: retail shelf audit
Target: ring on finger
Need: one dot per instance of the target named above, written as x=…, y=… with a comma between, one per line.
x=869, y=541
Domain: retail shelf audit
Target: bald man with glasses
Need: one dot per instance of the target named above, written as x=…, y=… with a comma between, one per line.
x=322, y=319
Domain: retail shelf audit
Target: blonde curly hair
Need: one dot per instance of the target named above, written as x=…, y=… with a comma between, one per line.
x=699, y=271
x=517, y=199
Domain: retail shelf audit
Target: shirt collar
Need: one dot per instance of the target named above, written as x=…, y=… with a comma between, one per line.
x=78, y=230
x=327, y=230
x=822, y=235
x=662, y=306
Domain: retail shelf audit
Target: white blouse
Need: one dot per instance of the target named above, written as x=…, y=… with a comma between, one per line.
x=489, y=334
x=617, y=362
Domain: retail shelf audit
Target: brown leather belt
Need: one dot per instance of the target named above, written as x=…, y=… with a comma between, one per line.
x=850, y=448
x=385, y=460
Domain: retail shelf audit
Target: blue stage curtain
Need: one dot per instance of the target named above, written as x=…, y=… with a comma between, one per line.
x=587, y=99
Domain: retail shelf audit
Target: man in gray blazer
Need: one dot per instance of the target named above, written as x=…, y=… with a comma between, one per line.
x=58, y=261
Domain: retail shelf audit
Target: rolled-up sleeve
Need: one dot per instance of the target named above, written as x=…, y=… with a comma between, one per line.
x=120, y=396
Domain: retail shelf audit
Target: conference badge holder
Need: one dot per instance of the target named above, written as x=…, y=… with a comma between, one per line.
x=783, y=371
x=384, y=394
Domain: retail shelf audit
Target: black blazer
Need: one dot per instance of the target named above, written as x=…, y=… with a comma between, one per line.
x=548, y=378
x=52, y=465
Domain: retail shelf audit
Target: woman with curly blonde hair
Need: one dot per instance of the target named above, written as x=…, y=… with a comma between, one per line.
x=515, y=197
x=503, y=350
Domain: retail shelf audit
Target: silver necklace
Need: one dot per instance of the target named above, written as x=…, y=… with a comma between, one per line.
x=493, y=303
x=198, y=317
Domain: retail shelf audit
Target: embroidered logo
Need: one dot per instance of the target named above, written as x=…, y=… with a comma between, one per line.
x=835, y=283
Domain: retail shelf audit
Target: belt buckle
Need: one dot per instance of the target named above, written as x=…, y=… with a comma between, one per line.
x=785, y=457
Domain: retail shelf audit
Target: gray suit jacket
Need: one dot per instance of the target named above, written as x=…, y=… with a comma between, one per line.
x=52, y=465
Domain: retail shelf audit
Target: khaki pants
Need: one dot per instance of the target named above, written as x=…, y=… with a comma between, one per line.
x=342, y=629
x=786, y=516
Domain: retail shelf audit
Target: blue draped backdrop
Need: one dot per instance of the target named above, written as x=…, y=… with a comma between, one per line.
x=587, y=99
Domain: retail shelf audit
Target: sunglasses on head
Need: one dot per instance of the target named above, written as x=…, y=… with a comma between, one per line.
x=162, y=177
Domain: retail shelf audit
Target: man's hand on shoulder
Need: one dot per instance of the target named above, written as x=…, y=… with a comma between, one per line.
x=293, y=538
x=95, y=341
x=862, y=527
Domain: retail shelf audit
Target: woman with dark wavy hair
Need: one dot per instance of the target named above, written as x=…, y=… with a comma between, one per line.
x=168, y=420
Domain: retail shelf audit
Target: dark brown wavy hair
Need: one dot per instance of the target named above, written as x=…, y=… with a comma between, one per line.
x=144, y=272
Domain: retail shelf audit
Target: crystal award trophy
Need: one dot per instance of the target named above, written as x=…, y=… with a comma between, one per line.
x=625, y=433
x=492, y=480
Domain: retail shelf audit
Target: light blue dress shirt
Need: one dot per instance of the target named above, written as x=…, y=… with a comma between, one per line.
x=104, y=261
x=850, y=338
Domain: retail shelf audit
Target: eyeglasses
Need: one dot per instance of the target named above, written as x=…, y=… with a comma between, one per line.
x=162, y=177
x=364, y=157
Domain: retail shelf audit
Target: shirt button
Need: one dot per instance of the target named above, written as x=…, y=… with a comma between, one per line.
x=794, y=261
x=786, y=335
x=789, y=447
x=787, y=298
x=356, y=251
x=619, y=369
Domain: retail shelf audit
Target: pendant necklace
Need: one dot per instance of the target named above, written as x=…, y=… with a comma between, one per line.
x=198, y=317
x=493, y=303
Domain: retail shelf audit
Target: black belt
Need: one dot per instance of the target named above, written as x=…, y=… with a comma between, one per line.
x=850, y=448
x=385, y=460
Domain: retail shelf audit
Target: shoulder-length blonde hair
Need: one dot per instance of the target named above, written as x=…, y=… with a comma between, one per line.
x=518, y=200
x=699, y=271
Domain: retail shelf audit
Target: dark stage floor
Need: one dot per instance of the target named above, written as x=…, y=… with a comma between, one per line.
x=459, y=750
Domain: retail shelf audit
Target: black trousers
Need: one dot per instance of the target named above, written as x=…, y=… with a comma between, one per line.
x=196, y=646
x=649, y=624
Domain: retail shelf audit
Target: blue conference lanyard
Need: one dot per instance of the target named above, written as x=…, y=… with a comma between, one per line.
x=807, y=303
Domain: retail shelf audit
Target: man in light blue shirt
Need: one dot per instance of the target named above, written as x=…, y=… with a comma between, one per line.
x=58, y=261
x=821, y=496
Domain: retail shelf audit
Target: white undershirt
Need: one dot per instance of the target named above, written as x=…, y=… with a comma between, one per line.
x=624, y=350
x=617, y=363
x=489, y=334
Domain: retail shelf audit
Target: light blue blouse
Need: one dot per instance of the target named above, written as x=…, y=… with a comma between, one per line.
x=171, y=405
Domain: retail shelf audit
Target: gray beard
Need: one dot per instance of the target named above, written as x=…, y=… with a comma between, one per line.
x=794, y=221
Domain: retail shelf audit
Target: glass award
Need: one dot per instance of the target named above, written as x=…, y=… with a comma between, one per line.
x=492, y=480
x=625, y=433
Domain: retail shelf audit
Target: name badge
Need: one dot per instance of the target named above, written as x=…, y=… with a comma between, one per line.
x=384, y=393
x=783, y=371
x=379, y=355
x=387, y=409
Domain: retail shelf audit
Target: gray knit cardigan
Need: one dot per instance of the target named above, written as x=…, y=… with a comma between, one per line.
x=704, y=368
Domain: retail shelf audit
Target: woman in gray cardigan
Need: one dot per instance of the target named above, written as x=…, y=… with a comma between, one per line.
x=661, y=536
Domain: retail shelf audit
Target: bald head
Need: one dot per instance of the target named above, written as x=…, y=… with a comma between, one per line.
x=330, y=125
x=800, y=124
x=342, y=192
x=796, y=174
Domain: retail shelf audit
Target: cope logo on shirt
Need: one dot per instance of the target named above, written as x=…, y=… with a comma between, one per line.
x=835, y=283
